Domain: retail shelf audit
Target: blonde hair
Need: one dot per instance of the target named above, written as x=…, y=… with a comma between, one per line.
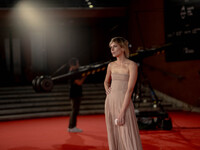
x=123, y=44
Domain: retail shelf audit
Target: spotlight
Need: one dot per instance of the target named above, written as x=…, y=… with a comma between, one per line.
x=154, y=105
x=91, y=6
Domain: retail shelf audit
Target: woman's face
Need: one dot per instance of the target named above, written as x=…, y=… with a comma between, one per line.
x=116, y=49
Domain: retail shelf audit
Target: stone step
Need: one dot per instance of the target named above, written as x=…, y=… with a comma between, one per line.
x=47, y=103
x=47, y=114
x=15, y=93
x=58, y=93
x=27, y=99
x=47, y=108
x=56, y=87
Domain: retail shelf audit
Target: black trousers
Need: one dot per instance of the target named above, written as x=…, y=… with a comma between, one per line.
x=75, y=103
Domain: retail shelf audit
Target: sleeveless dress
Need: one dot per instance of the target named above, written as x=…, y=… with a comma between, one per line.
x=124, y=137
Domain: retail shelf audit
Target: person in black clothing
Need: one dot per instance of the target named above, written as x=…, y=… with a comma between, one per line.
x=75, y=95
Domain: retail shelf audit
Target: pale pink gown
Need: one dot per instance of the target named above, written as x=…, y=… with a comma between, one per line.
x=124, y=137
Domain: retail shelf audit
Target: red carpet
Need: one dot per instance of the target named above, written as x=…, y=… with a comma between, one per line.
x=51, y=134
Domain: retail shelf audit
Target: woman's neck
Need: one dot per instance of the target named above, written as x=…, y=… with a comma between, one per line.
x=121, y=59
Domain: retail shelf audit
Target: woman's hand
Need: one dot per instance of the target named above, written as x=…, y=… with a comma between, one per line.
x=121, y=119
x=108, y=90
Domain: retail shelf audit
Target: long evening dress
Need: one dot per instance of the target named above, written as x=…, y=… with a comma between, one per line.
x=124, y=137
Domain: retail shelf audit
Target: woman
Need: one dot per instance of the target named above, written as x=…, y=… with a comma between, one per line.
x=122, y=128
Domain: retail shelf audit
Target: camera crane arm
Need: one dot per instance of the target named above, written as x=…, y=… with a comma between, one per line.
x=45, y=83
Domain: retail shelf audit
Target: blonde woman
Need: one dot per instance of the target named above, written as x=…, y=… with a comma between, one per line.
x=121, y=76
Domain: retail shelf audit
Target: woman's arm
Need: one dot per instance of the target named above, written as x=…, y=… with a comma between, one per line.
x=133, y=71
x=107, y=79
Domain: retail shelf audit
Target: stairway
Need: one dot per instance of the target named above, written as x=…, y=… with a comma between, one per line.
x=23, y=102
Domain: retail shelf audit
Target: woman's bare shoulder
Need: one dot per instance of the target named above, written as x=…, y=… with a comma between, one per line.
x=111, y=63
x=132, y=64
